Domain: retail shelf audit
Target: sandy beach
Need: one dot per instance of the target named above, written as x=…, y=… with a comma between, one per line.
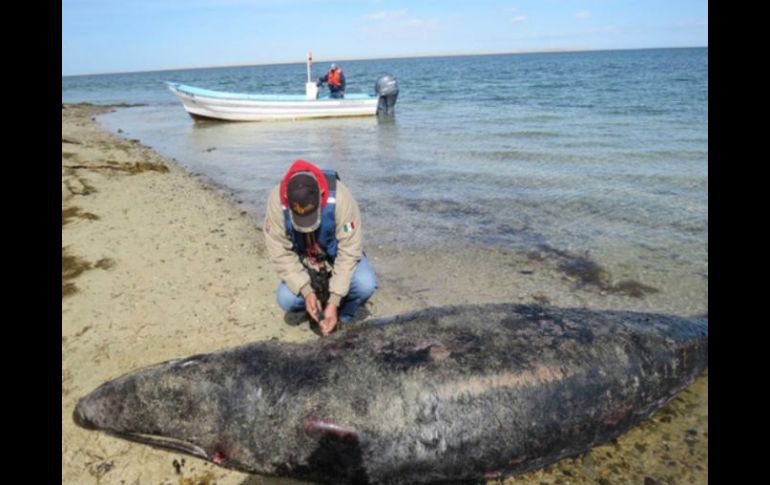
x=157, y=264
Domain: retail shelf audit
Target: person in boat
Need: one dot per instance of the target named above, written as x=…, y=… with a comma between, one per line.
x=335, y=79
x=314, y=242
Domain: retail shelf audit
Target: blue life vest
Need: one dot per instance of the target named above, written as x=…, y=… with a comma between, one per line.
x=326, y=235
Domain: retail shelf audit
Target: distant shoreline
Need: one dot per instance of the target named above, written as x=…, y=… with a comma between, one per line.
x=557, y=50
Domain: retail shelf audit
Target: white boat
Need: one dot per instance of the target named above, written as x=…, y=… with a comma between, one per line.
x=205, y=104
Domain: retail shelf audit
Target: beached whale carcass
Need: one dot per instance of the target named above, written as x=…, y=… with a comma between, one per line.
x=442, y=394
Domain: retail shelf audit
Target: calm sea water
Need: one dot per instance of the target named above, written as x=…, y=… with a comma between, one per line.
x=599, y=153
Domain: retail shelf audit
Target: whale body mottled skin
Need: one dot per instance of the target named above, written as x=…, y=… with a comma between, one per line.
x=451, y=393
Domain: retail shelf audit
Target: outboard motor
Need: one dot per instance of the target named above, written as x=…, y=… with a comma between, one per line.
x=386, y=88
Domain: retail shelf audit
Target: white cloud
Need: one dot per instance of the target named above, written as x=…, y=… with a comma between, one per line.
x=514, y=16
x=691, y=24
x=583, y=14
x=386, y=15
x=388, y=19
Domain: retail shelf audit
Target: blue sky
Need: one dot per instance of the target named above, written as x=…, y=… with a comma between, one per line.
x=100, y=36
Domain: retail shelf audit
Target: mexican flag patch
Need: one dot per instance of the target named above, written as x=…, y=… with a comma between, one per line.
x=349, y=227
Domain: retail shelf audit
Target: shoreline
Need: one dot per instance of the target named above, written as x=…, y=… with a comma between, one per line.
x=158, y=264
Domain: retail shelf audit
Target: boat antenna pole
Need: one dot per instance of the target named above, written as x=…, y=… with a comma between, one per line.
x=309, y=63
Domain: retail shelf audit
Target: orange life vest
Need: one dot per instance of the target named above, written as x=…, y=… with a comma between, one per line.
x=334, y=77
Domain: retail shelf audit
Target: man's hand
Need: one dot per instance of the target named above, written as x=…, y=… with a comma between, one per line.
x=313, y=307
x=330, y=320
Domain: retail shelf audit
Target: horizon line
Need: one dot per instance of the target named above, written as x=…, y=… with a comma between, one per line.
x=555, y=50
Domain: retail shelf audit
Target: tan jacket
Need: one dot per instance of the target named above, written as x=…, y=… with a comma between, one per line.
x=287, y=263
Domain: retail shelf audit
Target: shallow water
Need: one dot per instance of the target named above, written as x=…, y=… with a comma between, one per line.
x=602, y=155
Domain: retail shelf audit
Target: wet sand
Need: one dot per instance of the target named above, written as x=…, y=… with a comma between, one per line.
x=158, y=265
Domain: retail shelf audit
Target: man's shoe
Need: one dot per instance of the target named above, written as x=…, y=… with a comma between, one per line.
x=294, y=319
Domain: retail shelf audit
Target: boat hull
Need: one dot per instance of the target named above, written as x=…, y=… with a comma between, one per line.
x=212, y=105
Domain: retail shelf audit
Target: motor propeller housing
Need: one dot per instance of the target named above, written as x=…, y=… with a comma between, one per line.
x=386, y=88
